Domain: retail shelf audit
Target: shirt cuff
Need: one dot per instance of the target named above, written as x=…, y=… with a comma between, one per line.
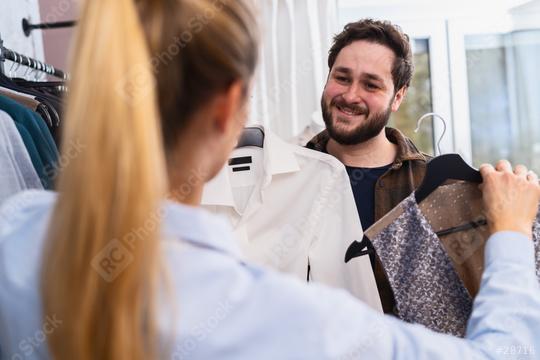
x=510, y=246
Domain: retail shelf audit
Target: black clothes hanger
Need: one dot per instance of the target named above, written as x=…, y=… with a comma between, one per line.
x=442, y=168
x=51, y=107
x=439, y=169
x=43, y=111
x=251, y=136
x=361, y=248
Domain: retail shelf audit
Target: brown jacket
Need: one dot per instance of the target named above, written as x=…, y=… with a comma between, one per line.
x=396, y=184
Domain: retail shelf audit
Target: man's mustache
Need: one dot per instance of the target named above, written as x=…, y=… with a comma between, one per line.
x=356, y=109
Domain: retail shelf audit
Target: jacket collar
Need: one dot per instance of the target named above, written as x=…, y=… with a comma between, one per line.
x=407, y=151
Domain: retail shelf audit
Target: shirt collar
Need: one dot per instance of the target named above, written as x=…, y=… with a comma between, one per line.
x=407, y=151
x=198, y=227
x=279, y=158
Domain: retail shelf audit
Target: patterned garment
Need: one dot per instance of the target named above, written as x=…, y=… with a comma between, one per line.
x=536, y=239
x=423, y=277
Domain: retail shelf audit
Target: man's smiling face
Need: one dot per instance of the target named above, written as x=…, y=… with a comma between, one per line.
x=359, y=95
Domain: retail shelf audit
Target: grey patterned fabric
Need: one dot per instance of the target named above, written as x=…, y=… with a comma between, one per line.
x=426, y=286
x=536, y=239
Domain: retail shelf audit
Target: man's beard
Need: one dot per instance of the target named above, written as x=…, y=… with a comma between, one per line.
x=368, y=129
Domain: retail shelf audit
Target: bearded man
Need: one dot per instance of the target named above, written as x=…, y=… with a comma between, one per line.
x=371, y=69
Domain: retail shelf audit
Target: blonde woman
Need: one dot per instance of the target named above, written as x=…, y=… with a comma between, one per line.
x=121, y=263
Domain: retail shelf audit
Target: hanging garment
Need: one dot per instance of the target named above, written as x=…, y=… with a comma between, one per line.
x=290, y=77
x=36, y=136
x=27, y=100
x=50, y=95
x=56, y=89
x=17, y=173
x=433, y=255
x=292, y=209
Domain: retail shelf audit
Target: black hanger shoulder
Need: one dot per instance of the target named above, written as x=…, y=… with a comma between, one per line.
x=442, y=168
x=359, y=248
x=251, y=136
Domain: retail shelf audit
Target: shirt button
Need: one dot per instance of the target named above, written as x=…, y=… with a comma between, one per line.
x=381, y=184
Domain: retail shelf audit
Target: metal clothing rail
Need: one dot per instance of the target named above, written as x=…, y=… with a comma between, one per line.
x=8, y=54
x=27, y=27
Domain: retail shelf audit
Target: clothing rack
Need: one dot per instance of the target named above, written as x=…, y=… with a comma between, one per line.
x=27, y=27
x=8, y=54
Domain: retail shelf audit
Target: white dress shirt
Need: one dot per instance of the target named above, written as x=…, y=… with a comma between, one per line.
x=227, y=309
x=294, y=207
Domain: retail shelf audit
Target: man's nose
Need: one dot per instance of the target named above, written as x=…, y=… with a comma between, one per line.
x=352, y=96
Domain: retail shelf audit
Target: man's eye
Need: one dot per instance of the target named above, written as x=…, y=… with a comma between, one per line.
x=371, y=86
x=342, y=79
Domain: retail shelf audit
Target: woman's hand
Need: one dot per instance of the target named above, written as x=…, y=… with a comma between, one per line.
x=510, y=197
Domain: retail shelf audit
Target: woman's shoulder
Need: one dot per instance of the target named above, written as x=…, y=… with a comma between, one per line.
x=23, y=208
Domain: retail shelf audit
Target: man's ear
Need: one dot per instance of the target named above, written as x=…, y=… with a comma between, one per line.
x=227, y=104
x=398, y=98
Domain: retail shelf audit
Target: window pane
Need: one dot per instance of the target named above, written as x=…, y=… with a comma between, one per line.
x=504, y=88
x=418, y=101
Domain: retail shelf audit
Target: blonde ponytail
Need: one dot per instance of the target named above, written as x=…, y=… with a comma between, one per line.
x=100, y=265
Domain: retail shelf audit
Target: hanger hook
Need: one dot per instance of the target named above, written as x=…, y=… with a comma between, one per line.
x=435, y=115
x=37, y=74
x=33, y=67
x=18, y=61
x=12, y=66
x=27, y=66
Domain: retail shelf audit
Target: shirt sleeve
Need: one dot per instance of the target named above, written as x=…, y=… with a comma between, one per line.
x=505, y=322
x=248, y=312
x=339, y=225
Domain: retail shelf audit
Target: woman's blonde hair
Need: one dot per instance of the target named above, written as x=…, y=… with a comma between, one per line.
x=140, y=70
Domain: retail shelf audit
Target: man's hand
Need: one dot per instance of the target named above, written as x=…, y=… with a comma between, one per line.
x=510, y=197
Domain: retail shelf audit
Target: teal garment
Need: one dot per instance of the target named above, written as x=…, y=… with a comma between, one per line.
x=37, y=161
x=40, y=136
x=46, y=132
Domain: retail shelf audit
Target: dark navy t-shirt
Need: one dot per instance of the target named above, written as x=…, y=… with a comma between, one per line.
x=363, y=181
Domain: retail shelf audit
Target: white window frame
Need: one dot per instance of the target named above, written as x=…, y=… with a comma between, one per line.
x=457, y=30
x=435, y=32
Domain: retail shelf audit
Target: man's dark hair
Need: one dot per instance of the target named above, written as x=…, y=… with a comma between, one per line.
x=382, y=33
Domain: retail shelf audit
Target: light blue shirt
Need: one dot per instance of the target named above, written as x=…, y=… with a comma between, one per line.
x=227, y=309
